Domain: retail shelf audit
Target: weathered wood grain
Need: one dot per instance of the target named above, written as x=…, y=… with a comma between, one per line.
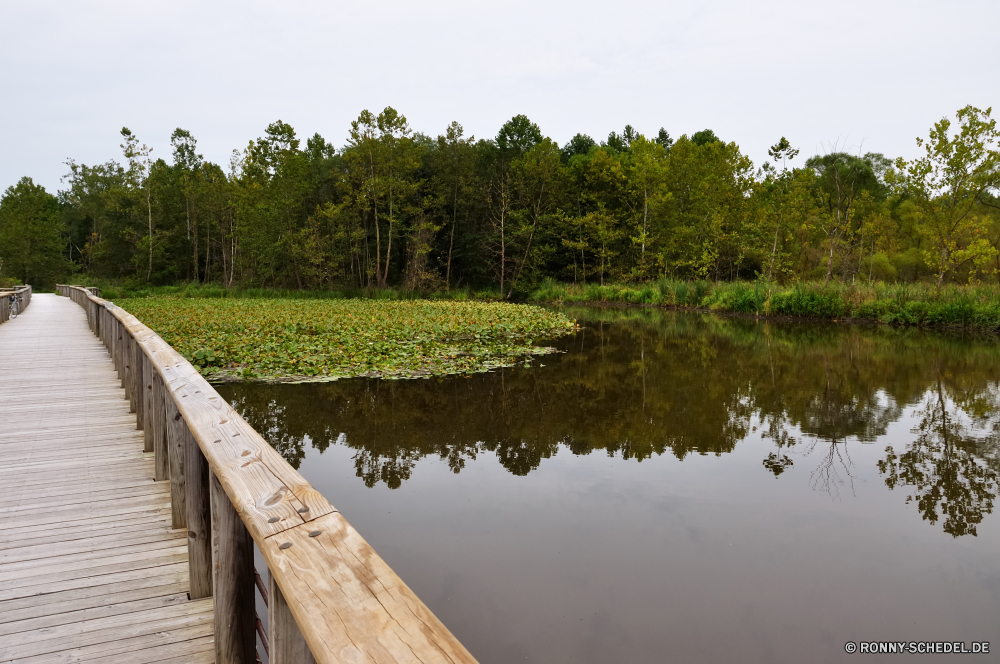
x=350, y=606
x=198, y=503
x=288, y=646
x=147, y=403
x=159, y=423
x=138, y=387
x=232, y=581
x=176, y=435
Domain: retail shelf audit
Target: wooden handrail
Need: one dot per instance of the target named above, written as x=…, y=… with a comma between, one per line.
x=24, y=292
x=333, y=599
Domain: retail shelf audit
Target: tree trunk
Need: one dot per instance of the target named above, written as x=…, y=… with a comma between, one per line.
x=451, y=241
x=149, y=209
x=829, y=265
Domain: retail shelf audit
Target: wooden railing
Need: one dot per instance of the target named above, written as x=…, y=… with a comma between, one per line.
x=331, y=597
x=23, y=292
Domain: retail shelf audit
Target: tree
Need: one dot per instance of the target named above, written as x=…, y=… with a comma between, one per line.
x=706, y=213
x=705, y=137
x=663, y=138
x=841, y=178
x=188, y=164
x=453, y=163
x=383, y=158
x=579, y=144
x=645, y=172
x=94, y=223
x=949, y=183
x=137, y=178
x=517, y=136
x=537, y=184
x=31, y=242
x=784, y=152
x=622, y=142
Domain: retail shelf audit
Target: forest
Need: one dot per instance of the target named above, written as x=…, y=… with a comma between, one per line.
x=397, y=208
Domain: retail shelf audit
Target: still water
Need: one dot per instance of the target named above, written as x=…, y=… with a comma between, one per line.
x=676, y=487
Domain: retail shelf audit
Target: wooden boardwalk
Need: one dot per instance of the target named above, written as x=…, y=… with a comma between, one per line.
x=90, y=569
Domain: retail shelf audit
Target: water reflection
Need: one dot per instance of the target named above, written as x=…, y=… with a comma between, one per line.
x=944, y=469
x=637, y=383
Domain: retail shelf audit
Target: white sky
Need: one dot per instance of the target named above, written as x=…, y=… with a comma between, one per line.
x=859, y=73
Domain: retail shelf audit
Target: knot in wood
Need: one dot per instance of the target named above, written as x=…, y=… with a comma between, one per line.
x=273, y=499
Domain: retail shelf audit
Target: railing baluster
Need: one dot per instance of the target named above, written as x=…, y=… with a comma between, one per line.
x=138, y=386
x=175, y=444
x=116, y=350
x=232, y=583
x=287, y=644
x=147, y=404
x=159, y=421
x=128, y=355
x=199, y=517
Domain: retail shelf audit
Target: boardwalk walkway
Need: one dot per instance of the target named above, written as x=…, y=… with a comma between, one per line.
x=89, y=567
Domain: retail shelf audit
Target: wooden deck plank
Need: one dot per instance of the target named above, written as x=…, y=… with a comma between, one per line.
x=111, y=631
x=91, y=495
x=104, y=610
x=103, y=521
x=93, y=545
x=91, y=565
x=189, y=642
x=89, y=597
x=179, y=566
x=90, y=568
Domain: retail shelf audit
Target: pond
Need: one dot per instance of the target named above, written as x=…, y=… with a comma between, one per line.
x=676, y=487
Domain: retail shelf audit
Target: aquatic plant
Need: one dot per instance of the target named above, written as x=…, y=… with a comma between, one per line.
x=284, y=339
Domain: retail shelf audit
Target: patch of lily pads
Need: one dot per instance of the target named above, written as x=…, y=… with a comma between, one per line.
x=277, y=340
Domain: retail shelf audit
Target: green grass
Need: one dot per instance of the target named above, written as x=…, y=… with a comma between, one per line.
x=284, y=339
x=974, y=307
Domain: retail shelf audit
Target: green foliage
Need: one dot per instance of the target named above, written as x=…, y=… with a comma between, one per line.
x=950, y=184
x=30, y=242
x=394, y=208
x=323, y=339
x=972, y=307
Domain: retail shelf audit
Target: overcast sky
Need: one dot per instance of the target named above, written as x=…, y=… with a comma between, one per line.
x=861, y=74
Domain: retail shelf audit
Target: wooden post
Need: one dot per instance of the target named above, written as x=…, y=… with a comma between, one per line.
x=147, y=404
x=198, y=503
x=138, y=384
x=120, y=350
x=232, y=582
x=159, y=421
x=176, y=428
x=113, y=340
x=286, y=641
x=128, y=354
x=117, y=349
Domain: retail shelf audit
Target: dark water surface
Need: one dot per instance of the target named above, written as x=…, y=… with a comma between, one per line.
x=676, y=487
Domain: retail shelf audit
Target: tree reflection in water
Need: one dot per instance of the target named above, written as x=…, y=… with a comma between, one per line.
x=638, y=382
x=944, y=467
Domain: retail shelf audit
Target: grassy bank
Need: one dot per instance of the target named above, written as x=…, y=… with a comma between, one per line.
x=976, y=307
x=302, y=340
x=973, y=307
